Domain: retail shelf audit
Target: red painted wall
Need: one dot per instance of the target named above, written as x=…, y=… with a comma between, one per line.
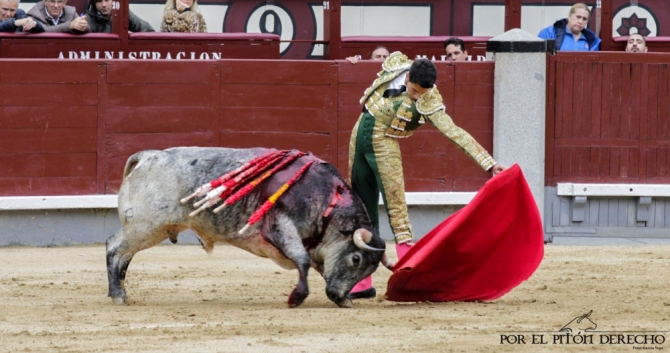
x=168, y=46
x=429, y=47
x=67, y=127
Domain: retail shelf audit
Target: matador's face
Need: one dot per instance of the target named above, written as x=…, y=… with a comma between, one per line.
x=414, y=91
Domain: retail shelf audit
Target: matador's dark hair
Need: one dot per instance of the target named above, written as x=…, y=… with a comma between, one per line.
x=423, y=73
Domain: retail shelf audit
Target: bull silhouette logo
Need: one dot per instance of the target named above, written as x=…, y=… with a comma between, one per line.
x=580, y=324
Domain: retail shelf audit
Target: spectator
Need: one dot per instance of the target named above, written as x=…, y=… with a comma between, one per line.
x=571, y=33
x=13, y=19
x=379, y=54
x=56, y=16
x=636, y=44
x=99, y=18
x=183, y=16
x=455, y=49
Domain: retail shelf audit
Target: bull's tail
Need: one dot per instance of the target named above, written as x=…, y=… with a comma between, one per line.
x=136, y=159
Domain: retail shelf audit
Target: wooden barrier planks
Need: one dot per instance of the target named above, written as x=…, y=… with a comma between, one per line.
x=157, y=105
x=48, y=125
x=69, y=127
x=286, y=105
x=610, y=119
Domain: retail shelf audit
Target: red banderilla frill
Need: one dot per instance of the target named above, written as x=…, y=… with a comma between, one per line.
x=273, y=199
x=222, y=191
x=204, y=189
x=246, y=189
x=240, y=182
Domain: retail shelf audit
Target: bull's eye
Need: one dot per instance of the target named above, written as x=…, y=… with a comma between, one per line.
x=356, y=259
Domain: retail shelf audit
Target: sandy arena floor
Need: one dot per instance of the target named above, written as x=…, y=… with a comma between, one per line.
x=183, y=300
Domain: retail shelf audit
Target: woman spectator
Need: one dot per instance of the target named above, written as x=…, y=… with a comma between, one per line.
x=571, y=33
x=183, y=16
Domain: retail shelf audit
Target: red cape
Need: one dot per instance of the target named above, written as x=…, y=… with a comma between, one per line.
x=480, y=252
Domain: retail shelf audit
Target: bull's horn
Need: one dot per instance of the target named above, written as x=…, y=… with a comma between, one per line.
x=362, y=237
x=386, y=262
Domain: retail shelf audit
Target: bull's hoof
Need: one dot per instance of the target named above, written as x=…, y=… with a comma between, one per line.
x=296, y=298
x=118, y=300
x=346, y=303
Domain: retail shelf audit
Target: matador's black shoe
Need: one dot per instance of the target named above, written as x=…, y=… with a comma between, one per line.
x=364, y=294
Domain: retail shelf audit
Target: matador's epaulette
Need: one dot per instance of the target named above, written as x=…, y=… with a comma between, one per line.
x=429, y=102
x=392, y=67
x=396, y=61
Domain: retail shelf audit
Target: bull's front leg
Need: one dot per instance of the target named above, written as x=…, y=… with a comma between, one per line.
x=283, y=234
x=301, y=291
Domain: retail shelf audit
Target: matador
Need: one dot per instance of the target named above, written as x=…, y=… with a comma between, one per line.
x=399, y=101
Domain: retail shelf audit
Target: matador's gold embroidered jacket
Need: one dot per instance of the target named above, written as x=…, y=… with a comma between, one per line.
x=388, y=117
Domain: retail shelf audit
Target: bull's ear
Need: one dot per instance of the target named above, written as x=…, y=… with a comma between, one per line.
x=347, y=232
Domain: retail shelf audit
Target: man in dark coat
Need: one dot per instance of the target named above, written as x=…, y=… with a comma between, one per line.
x=99, y=18
x=13, y=19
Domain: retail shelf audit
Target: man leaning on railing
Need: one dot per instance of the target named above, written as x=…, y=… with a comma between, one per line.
x=99, y=18
x=57, y=16
x=13, y=19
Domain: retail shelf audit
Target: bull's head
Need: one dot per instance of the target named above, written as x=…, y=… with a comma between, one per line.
x=362, y=237
x=348, y=262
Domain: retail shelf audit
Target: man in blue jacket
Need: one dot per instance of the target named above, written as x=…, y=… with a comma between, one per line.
x=13, y=19
x=571, y=33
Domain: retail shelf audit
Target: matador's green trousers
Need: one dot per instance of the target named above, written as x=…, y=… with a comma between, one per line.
x=375, y=165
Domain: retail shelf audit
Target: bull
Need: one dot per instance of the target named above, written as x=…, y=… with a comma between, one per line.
x=318, y=223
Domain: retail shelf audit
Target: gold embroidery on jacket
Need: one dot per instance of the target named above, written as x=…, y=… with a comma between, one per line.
x=404, y=115
x=429, y=102
x=395, y=65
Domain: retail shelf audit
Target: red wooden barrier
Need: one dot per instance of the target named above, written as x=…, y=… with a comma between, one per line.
x=67, y=127
x=654, y=44
x=430, y=47
x=55, y=45
x=150, y=45
x=608, y=119
x=207, y=45
x=154, y=105
x=48, y=124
